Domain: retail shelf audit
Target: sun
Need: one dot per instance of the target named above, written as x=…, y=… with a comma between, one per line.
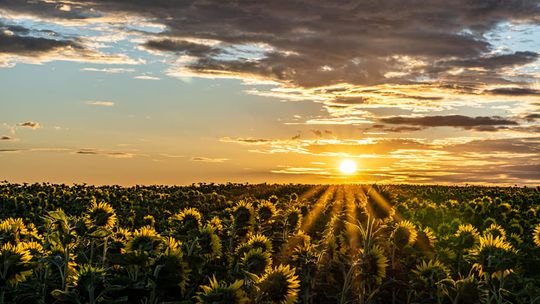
x=347, y=166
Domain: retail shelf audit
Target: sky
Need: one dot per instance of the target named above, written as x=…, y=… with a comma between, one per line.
x=180, y=92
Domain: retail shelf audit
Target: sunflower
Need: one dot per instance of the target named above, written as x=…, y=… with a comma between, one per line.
x=221, y=292
x=279, y=285
x=445, y=254
x=173, y=269
x=496, y=231
x=303, y=256
x=260, y=241
x=12, y=230
x=188, y=220
x=149, y=220
x=466, y=236
x=265, y=211
x=425, y=239
x=256, y=261
x=470, y=291
x=145, y=239
x=243, y=214
x=404, y=234
x=89, y=281
x=430, y=273
x=536, y=235
x=209, y=242
x=492, y=255
x=100, y=215
x=14, y=264
x=297, y=240
x=372, y=265
x=217, y=224
x=36, y=249
x=514, y=239
x=293, y=220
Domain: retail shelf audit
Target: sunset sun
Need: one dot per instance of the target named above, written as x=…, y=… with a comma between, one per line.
x=347, y=166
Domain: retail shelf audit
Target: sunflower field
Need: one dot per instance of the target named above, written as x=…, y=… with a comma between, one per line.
x=242, y=243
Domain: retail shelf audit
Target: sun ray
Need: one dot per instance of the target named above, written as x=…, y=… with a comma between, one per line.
x=320, y=205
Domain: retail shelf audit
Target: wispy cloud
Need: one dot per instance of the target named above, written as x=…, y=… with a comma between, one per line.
x=101, y=103
x=146, y=77
x=208, y=159
x=108, y=70
x=30, y=125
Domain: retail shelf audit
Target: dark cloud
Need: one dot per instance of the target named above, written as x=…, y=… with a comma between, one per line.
x=319, y=43
x=506, y=145
x=400, y=129
x=479, y=123
x=514, y=91
x=532, y=117
x=495, y=62
x=4, y=137
x=178, y=46
x=87, y=152
x=28, y=46
x=29, y=124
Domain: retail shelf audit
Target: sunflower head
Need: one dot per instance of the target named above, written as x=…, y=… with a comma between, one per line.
x=445, y=254
x=101, y=215
x=209, y=242
x=88, y=278
x=12, y=230
x=470, y=291
x=256, y=261
x=372, y=265
x=145, y=239
x=149, y=220
x=425, y=240
x=279, y=285
x=536, y=235
x=444, y=229
x=243, y=214
x=265, y=211
x=404, y=234
x=174, y=270
x=293, y=219
x=299, y=239
x=34, y=248
x=14, y=264
x=466, y=236
x=430, y=273
x=496, y=231
x=221, y=292
x=217, y=224
x=492, y=256
x=188, y=220
x=260, y=241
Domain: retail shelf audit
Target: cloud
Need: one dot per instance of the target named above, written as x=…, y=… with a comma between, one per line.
x=208, y=159
x=183, y=47
x=479, y=123
x=100, y=103
x=29, y=124
x=5, y=137
x=514, y=91
x=146, y=77
x=28, y=46
x=108, y=70
x=532, y=117
x=111, y=154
